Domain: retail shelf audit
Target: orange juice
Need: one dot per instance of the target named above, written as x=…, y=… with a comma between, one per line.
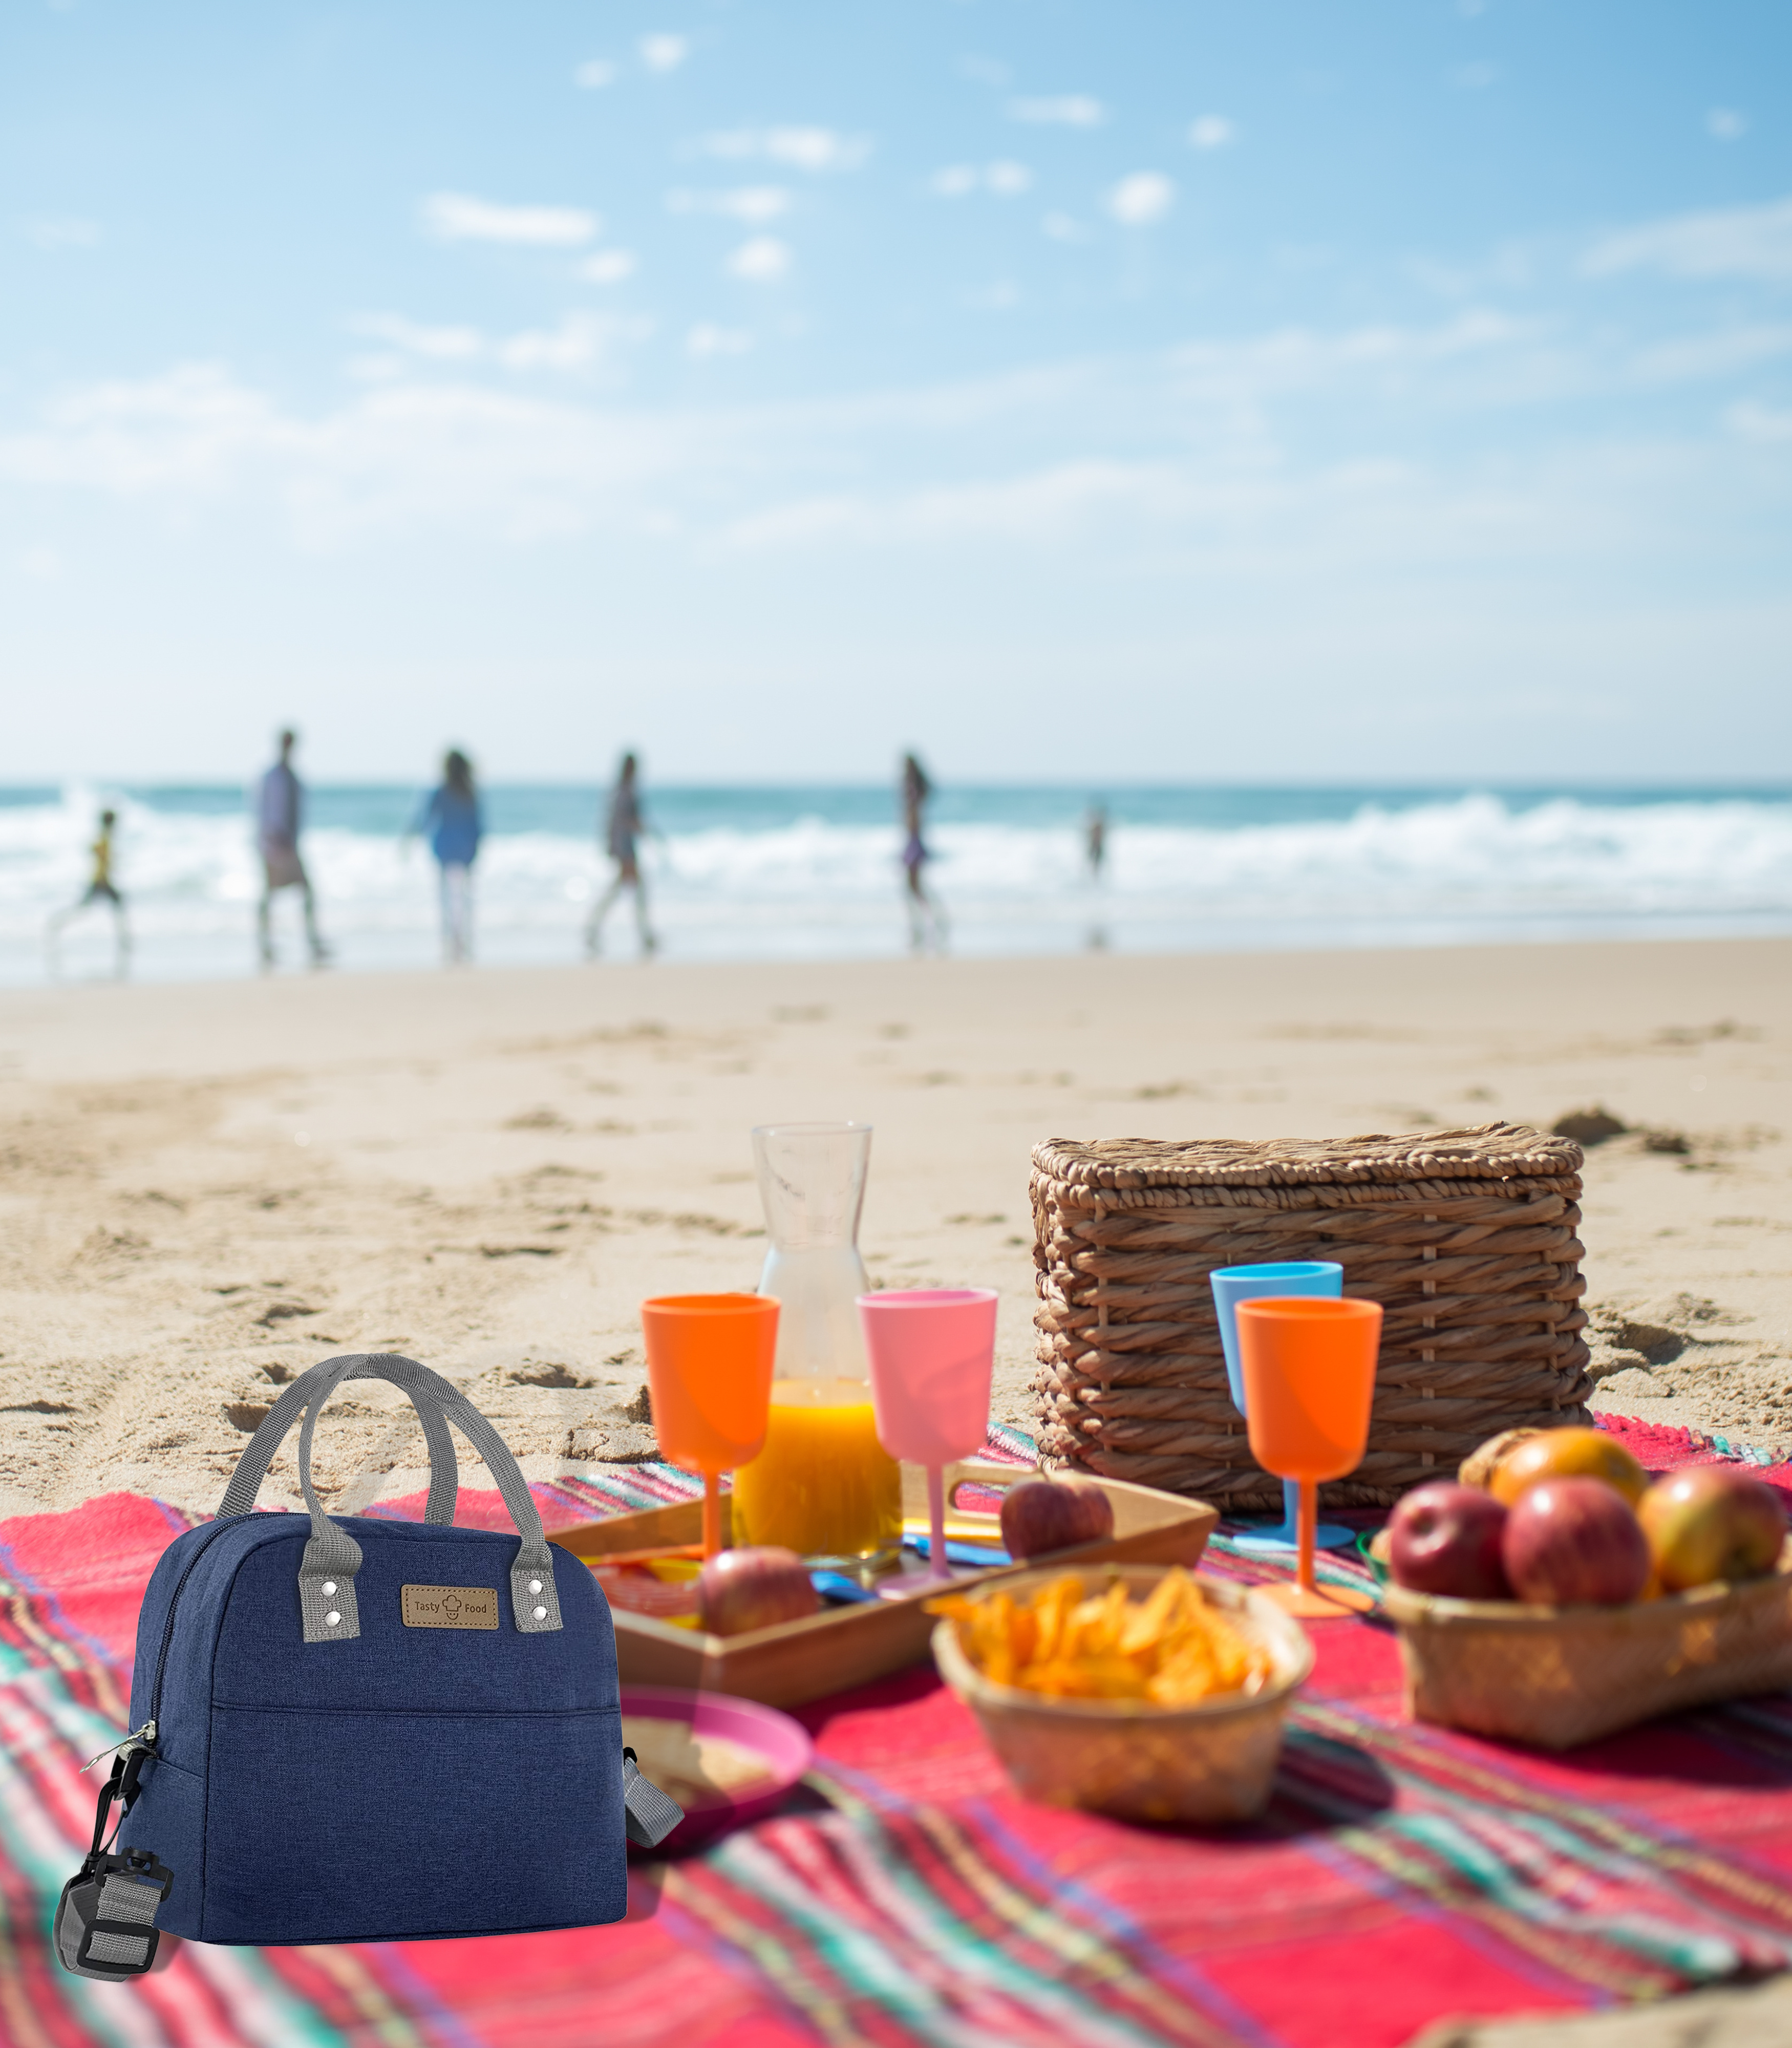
x=823, y=1485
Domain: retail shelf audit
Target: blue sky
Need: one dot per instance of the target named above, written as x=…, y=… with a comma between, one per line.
x=1161, y=391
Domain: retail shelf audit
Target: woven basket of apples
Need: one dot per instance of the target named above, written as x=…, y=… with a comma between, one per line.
x=1552, y=1594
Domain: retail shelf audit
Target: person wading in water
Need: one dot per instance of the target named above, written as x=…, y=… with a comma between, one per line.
x=924, y=910
x=279, y=820
x=623, y=833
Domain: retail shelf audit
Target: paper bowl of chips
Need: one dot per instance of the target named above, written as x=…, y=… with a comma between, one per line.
x=1137, y=1691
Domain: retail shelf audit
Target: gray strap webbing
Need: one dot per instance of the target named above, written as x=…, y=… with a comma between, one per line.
x=252, y=1467
x=332, y=1557
x=120, y=1899
x=648, y=1814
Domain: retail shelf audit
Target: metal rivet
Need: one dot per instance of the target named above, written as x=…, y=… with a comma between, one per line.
x=329, y=1586
x=535, y=1586
x=541, y=1614
x=332, y=1617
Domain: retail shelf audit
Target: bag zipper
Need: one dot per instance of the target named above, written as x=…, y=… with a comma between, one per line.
x=200, y=1550
x=143, y=1738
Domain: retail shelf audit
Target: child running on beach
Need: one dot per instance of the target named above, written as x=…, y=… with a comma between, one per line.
x=623, y=829
x=452, y=809
x=101, y=889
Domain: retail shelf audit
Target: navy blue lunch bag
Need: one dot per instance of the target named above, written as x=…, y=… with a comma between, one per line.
x=364, y=1731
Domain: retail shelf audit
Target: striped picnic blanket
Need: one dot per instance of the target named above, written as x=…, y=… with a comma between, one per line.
x=905, y=1896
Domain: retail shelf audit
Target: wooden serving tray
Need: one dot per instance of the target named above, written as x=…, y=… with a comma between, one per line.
x=851, y=1646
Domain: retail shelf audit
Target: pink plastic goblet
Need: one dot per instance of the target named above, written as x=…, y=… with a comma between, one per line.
x=933, y=1355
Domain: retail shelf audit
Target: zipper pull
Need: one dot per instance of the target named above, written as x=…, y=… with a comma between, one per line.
x=143, y=1738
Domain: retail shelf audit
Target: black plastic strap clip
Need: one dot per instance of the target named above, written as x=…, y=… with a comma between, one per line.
x=91, y=1939
x=105, y=1920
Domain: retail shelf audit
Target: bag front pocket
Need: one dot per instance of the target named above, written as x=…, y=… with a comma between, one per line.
x=345, y=1826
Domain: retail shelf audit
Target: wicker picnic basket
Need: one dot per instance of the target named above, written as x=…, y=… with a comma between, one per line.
x=1467, y=1239
x=1557, y=1677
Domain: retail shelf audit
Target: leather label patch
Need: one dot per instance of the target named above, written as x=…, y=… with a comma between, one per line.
x=450, y=1606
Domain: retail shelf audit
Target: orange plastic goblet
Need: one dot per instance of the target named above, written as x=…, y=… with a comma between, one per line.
x=709, y=1360
x=1309, y=1381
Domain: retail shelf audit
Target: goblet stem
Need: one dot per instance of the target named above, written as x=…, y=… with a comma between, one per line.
x=1309, y=1522
x=712, y=1513
x=936, y=1566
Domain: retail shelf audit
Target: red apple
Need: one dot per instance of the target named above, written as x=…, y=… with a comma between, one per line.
x=1575, y=1542
x=1711, y=1522
x=1042, y=1514
x=1444, y=1538
x=754, y=1587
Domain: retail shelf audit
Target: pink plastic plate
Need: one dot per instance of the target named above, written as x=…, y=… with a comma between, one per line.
x=784, y=1743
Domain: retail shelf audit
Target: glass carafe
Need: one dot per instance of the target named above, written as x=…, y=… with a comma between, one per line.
x=823, y=1485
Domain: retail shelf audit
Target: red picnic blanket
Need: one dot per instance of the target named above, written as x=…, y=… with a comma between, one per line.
x=905, y=1895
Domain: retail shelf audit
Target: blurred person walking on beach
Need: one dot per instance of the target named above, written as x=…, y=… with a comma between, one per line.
x=279, y=819
x=924, y=910
x=101, y=889
x=623, y=833
x=1095, y=839
x=453, y=811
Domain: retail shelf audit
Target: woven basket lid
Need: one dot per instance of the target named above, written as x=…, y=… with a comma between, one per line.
x=1488, y=1152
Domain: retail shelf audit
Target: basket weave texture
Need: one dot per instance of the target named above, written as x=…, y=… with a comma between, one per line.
x=1467, y=1239
x=1558, y=1677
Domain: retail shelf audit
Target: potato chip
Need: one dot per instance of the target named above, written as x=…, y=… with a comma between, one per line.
x=1172, y=1648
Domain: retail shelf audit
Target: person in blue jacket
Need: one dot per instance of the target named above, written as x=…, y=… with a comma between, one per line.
x=451, y=816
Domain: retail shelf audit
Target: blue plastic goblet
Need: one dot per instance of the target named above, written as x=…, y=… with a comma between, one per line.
x=1231, y=1284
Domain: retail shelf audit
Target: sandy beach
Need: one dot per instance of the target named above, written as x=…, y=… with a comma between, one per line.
x=209, y=1188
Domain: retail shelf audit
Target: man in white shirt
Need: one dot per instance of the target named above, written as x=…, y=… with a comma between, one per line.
x=279, y=816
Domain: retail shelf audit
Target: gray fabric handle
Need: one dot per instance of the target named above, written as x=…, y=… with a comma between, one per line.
x=649, y=1814
x=252, y=1467
x=327, y=1599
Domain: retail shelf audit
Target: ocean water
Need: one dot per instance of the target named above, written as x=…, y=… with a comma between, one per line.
x=813, y=873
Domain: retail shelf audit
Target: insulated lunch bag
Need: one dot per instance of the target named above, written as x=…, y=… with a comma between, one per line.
x=364, y=1731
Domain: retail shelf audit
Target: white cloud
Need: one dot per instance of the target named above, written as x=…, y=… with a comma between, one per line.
x=40, y=565
x=1070, y=110
x=1738, y=242
x=755, y=204
x=1724, y=124
x=578, y=340
x=1006, y=179
x=457, y=217
x=1065, y=227
x=1723, y=352
x=1144, y=197
x=762, y=259
x=436, y=345
x=664, y=53
x=1211, y=131
x=1474, y=77
x=1760, y=423
x=705, y=340
x=608, y=266
x=414, y=454
x=802, y=148
x=63, y=233
x=597, y=72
